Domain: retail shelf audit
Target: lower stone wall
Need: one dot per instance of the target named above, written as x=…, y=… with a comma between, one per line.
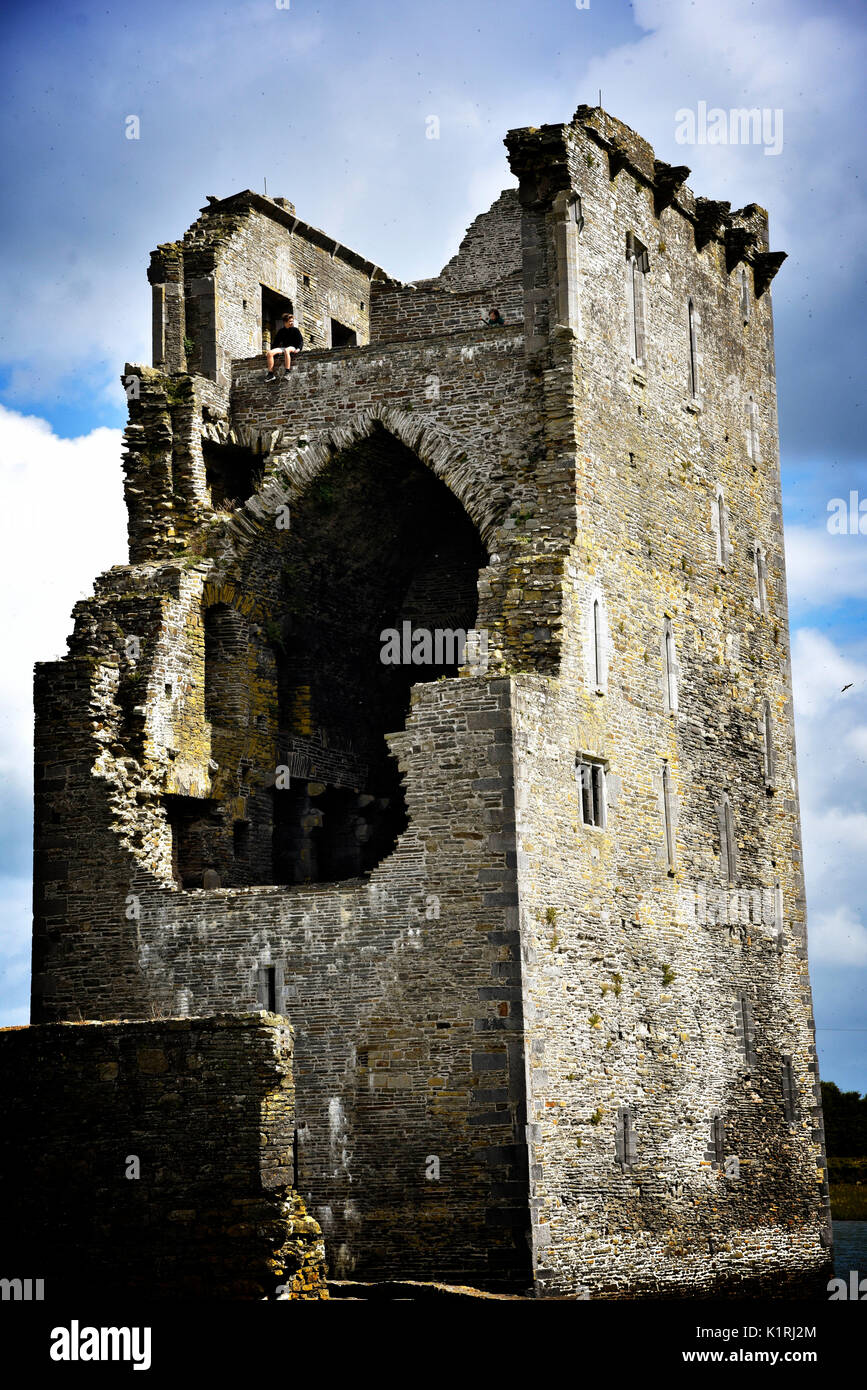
x=666, y=1159
x=155, y=1158
x=404, y=989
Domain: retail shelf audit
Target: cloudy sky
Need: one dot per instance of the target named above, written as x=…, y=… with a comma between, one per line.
x=330, y=103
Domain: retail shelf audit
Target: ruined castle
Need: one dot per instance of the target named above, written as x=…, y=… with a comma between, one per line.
x=532, y=903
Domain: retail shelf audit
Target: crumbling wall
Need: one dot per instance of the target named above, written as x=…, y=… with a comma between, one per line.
x=155, y=1159
x=407, y=991
x=490, y=250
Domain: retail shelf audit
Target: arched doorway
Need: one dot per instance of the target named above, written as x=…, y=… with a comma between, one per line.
x=370, y=592
x=379, y=545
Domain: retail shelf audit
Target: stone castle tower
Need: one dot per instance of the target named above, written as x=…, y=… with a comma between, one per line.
x=533, y=900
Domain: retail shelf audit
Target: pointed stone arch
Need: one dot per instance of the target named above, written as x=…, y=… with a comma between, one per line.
x=293, y=465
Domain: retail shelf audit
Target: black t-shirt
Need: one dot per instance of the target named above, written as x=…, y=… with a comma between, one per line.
x=288, y=337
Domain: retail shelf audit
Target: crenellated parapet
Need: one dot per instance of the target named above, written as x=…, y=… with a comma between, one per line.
x=668, y=180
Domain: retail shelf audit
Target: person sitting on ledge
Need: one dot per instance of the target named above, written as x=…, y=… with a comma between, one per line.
x=494, y=319
x=288, y=339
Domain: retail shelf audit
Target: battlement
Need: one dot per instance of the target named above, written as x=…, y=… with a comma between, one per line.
x=218, y=293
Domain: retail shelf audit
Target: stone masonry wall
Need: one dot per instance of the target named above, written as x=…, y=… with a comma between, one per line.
x=406, y=998
x=155, y=1159
x=321, y=286
x=404, y=312
x=208, y=287
x=636, y=967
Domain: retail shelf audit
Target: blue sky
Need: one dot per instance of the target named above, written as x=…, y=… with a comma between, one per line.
x=328, y=102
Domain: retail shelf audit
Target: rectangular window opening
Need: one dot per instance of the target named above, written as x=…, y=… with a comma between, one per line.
x=769, y=744
x=719, y=1139
x=625, y=1143
x=342, y=336
x=693, y=352
x=668, y=818
x=761, y=585
x=268, y=988
x=721, y=527
x=670, y=670
x=747, y=1030
x=728, y=844
x=598, y=658
x=591, y=782
x=790, y=1093
x=274, y=306
x=638, y=266
x=241, y=839
x=753, y=430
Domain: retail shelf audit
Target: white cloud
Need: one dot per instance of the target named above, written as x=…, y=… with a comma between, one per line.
x=62, y=522
x=832, y=749
x=14, y=950
x=822, y=569
x=821, y=670
x=857, y=740
x=838, y=937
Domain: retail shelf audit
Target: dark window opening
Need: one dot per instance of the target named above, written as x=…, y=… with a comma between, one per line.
x=241, y=839
x=197, y=828
x=306, y=281
x=274, y=306
x=719, y=1140
x=625, y=1143
x=226, y=641
x=322, y=833
x=790, y=1090
x=591, y=782
x=268, y=988
x=692, y=326
x=342, y=336
x=232, y=474
x=638, y=266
